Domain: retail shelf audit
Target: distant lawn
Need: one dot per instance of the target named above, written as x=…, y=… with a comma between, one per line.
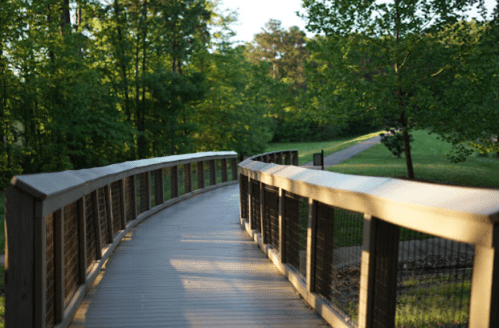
x=307, y=149
x=429, y=164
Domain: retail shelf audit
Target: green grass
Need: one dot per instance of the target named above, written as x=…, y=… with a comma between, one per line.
x=429, y=162
x=430, y=302
x=307, y=149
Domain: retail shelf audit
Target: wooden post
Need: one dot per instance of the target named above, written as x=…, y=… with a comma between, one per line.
x=287, y=160
x=122, y=204
x=324, y=233
x=265, y=238
x=484, y=301
x=59, y=265
x=40, y=276
x=159, y=187
x=148, y=189
x=109, y=212
x=174, y=182
x=234, y=169
x=98, y=244
x=378, y=276
x=311, y=243
x=282, y=226
x=19, y=258
x=82, y=240
x=133, y=185
x=223, y=164
x=250, y=205
x=213, y=172
x=295, y=158
x=187, y=178
x=200, y=173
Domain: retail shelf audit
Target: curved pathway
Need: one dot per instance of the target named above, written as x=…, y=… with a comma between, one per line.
x=191, y=265
x=343, y=155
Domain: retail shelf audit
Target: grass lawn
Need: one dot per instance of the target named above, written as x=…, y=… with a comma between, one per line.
x=429, y=164
x=307, y=149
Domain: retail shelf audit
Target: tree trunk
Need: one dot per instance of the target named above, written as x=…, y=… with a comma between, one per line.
x=121, y=59
x=144, y=150
x=407, y=146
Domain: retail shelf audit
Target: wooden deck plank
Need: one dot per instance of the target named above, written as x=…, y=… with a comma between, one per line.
x=191, y=265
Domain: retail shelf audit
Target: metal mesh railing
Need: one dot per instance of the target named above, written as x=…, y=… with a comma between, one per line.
x=295, y=229
x=255, y=206
x=101, y=201
x=345, y=271
x=50, y=279
x=433, y=281
x=91, y=246
x=116, y=206
x=143, y=192
x=323, y=248
x=129, y=199
x=244, y=197
x=71, y=252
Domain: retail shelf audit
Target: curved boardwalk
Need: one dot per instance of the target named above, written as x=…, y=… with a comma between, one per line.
x=191, y=265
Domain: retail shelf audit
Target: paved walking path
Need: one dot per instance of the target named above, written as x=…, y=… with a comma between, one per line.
x=191, y=265
x=343, y=155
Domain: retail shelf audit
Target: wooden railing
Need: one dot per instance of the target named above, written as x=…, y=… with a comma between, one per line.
x=62, y=227
x=269, y=197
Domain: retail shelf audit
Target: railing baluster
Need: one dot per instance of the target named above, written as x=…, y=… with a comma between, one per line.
x=213, y=172
x=133, y=182
x=98, y=243
x=82, y=240
x=159, y=188
x=187, y=178
x=109, y=212
x=262, y=215
x=148, y=190
x=311, y=244
x=295, y=158
x=174, y=182
x=122, y=203
x=484, y=301
x=40, y=274
x=200, y=173
x=223, y=164
x=282, y=227
x=234, y=169
x=59, y=264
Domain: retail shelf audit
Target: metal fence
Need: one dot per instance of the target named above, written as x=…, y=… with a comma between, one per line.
x=61, y=227
x=377, y=252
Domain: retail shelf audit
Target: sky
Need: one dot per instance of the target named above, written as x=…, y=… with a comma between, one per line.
x=253, y=14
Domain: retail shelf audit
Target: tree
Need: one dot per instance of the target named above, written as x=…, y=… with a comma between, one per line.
x=388, y=59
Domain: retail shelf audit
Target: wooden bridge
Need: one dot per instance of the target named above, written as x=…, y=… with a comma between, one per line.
x=81, y=253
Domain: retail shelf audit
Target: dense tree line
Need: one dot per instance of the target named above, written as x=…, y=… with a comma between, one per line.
x=87, y=83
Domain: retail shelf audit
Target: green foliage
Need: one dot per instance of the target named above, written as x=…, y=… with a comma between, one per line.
x=394, y=141
x=394, y=62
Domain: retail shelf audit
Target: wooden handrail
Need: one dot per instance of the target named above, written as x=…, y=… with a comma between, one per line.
x=45, y=281
x=467, y=215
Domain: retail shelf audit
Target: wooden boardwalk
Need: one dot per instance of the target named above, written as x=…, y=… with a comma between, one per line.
x=191, y=265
